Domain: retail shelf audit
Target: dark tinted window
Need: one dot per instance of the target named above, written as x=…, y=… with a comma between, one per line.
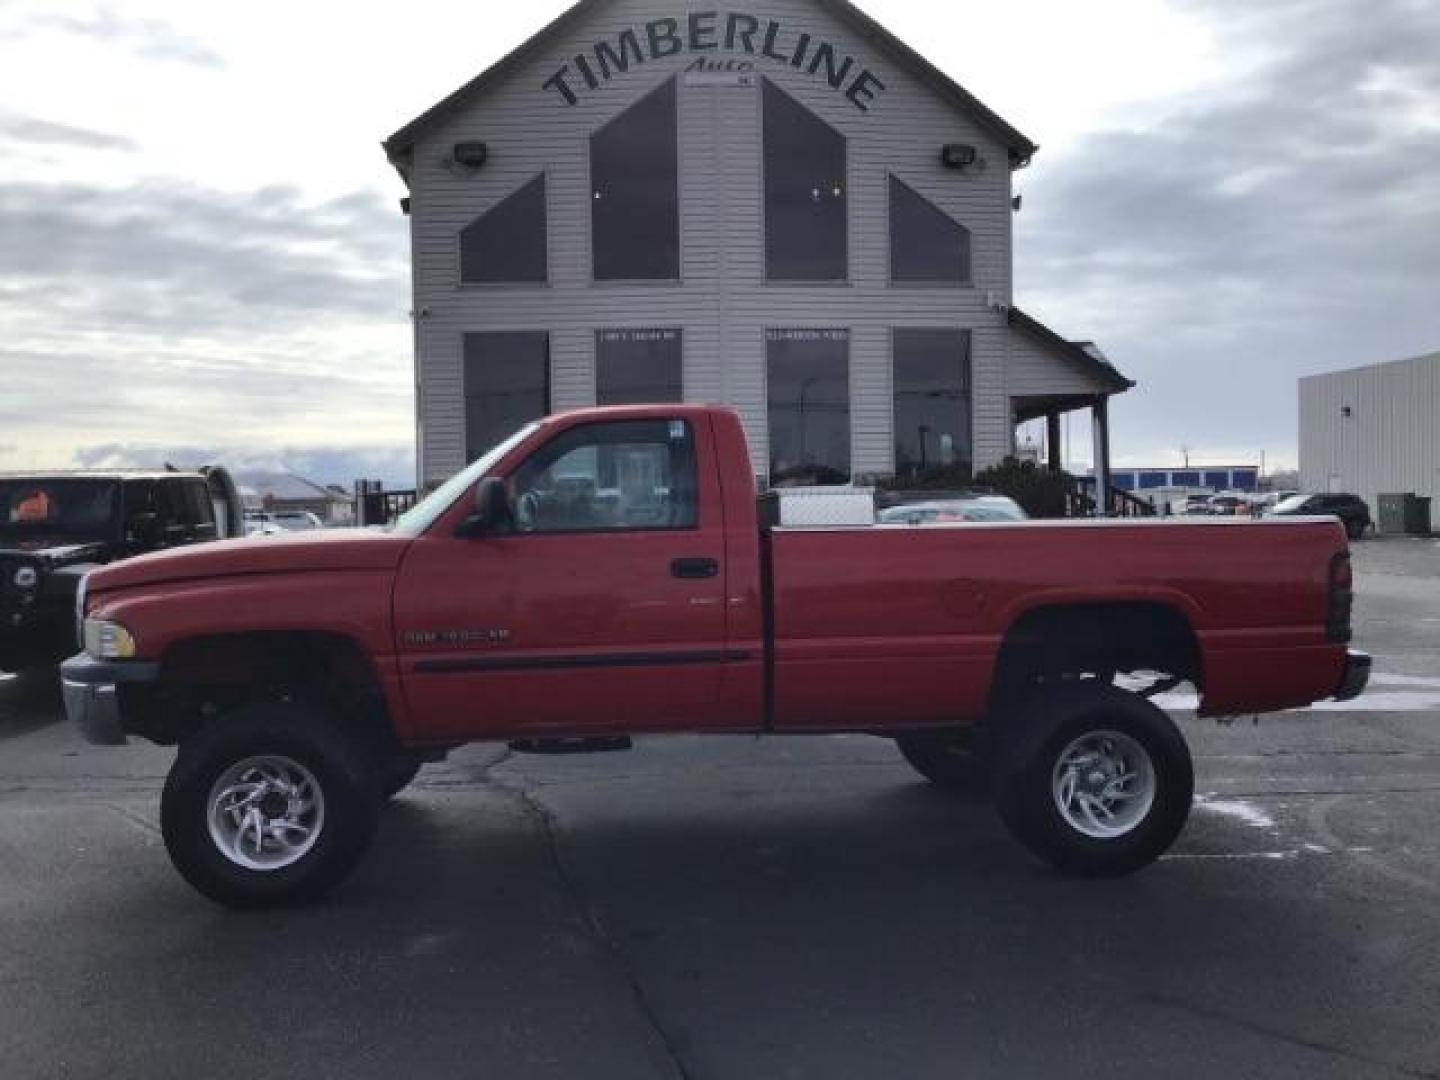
x=507, y=383
x=507, y=244
x=932, y=401
x=926, y=244
x=59, y=508
x=805, y=222
x=809, y=406
x=635, y=199
x=633, y=366
x=630, y=475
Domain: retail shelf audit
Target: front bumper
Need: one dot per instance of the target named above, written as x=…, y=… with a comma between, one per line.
x=92, y=695
x=1356, y=677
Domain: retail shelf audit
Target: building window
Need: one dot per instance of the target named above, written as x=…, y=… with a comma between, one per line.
x=633, y=366
x=635, y=196
x=507, y=384
x=507, y=245
x=932, y=403
x=630, y=475
x=805, y=220
x=809, y=406
x=926, y=244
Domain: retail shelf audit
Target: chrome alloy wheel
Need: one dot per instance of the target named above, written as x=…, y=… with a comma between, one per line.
x=1103, y=784
x=266, y=812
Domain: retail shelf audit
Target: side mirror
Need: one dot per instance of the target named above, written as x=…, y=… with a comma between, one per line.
x=492, y=513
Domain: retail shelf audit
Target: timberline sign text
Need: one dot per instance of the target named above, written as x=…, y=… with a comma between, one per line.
x=708, y=31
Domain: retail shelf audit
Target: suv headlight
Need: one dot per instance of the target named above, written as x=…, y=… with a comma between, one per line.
x=107, y=640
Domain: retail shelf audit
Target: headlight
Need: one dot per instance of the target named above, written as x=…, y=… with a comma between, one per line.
x=26, y=578
x=106, y=640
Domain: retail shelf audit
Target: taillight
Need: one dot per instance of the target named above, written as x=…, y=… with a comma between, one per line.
x=1341, y=600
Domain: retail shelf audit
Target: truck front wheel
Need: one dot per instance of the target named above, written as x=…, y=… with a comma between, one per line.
x=268, y=805
x=1094, y=780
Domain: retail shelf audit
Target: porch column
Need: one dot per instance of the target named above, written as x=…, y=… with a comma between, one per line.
x=1100, y=427
x=1054, y=451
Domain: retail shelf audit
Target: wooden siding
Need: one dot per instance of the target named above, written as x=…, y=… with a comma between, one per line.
x=723, y=302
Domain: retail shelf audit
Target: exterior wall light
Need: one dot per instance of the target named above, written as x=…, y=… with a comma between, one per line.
x=958, y=155
x=470, y=155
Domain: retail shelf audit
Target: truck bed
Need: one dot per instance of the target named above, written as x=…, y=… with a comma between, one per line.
x=908, y=621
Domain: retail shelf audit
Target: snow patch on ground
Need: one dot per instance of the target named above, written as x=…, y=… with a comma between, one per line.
x=1381, y=679
x=1237, y=809
x=1411, y=693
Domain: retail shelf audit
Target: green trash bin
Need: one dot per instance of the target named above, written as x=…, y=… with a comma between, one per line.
x=1417, y=515
x=1391, y=521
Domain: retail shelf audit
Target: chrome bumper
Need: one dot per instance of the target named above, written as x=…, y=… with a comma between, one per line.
x=92, y=699
x=1356, y=677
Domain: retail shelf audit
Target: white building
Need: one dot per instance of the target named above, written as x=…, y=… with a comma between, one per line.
x=1373, y=429
x=782, y=207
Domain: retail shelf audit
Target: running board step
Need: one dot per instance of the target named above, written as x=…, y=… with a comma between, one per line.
x=572, y=746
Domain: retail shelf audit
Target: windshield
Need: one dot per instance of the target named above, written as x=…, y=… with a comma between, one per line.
x=1294, y=502
x=58, y=511
x=423, y=514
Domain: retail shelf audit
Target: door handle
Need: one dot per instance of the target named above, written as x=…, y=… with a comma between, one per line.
x=695, y=569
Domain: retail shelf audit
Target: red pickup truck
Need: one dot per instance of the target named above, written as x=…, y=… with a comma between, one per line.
x=608, y=572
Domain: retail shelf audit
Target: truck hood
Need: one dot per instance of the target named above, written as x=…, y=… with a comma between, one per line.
x=299, y=552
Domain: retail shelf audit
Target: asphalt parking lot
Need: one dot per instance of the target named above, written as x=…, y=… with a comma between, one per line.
x=738, y=908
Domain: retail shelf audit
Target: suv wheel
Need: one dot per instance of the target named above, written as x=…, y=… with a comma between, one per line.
x=268, y=805
x=1094, y=780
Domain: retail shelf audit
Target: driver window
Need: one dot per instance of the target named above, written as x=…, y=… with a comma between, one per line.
x=626, y=475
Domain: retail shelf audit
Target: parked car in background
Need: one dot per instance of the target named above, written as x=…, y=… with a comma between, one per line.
x=269, y=522
x=56, y=527
x=1230, y=506
x=1353, y=511
x=1197, y=504
x=966, y=508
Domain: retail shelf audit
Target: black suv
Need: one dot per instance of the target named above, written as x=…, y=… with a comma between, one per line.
x=54, y=527
x=1353, y=511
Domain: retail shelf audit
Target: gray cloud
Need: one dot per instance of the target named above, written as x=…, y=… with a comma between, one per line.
x=171, y=257
x=170, y=308
x=1288, y=226
x=33, y=130
x=150, y=38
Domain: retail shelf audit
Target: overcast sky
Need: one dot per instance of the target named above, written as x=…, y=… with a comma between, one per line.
x=201, y=252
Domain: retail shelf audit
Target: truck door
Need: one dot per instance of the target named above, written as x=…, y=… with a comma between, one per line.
x=602, y=608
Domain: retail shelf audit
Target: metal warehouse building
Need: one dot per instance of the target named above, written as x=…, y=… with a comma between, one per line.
x=1373, y=429
x=783, y=208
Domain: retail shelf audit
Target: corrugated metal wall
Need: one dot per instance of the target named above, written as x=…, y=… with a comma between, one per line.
x=723, y=302
x=1390, y=441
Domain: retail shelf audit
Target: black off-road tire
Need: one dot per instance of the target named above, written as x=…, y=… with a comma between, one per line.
x=1355, y=530
x=953, y=760
x=1041, y=728
x=397, y=773
x=341, y=766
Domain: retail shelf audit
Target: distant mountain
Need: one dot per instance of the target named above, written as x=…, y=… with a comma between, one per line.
x=319, y=465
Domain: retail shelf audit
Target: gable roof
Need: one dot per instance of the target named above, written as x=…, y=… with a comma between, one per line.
x=1084, y=354
x=398, y=146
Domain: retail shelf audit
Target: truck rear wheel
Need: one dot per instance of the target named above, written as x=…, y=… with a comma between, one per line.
x=1094, y=780
x=951, y=760
x=269, y=805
